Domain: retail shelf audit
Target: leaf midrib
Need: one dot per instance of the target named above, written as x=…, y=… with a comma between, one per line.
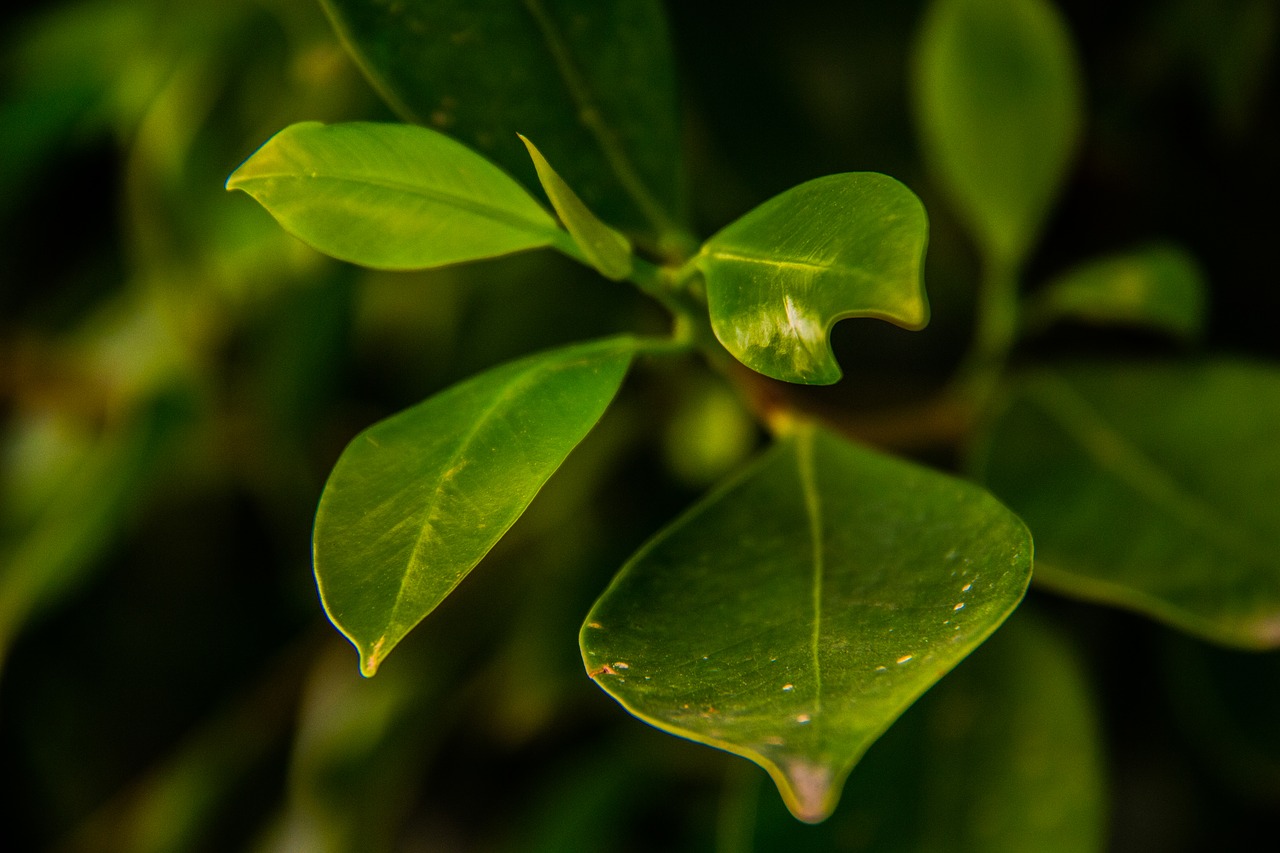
x=813, y=509
x=1091, y=430
x=468, y=204
x=799, y=265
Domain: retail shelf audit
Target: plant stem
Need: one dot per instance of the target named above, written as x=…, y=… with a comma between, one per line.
x=996, y=329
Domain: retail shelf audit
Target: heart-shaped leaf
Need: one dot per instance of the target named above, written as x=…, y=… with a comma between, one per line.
x=1151, y=487
x=391, y=196
x=605, y=249
x=998, y=106
x=1159, y=287
x=792, y=615
x=418, y=499
x=849, y=245
x=592, y=80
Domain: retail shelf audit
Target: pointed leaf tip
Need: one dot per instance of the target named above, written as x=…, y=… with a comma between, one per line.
x=808, y=791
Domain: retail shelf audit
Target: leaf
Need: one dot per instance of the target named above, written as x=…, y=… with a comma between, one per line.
x=793, y=614
x=592, y=80
x=998, y=105
x=605, y=249
x=391, y=196
x=418, y=499
x=848, y=245
x=1151, y=487
x=1159, y=286
x=1004, y=755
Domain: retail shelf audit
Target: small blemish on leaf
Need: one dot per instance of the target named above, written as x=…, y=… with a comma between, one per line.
x=905, y=658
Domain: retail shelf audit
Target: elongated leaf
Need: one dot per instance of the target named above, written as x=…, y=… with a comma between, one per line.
x=391, y=196
x=1160, y=287
x=591, y=80
x=849, y=245
x=605, y=249
x=1003, y=756
x=998, y=106
x=1151, y=487
x=417, y=500
x=794, y=614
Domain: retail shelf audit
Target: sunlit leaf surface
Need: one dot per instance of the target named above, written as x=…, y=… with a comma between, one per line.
x=591, y=80
x=1004, y=755
x=1152, y=487
x=417, y=500
x=795, y=613
x=998, y=106
x=391, y=196
x=1159, y=287
x=849, y=245
x=605, y=249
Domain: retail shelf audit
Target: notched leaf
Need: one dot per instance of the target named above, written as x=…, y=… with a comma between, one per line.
x=792, y=615
x=778, y=279
x=418, y=499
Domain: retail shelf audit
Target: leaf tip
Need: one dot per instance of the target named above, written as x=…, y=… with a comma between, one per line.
x=808, y=791
x=372, y=657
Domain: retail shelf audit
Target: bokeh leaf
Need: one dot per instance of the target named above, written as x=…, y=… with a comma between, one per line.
x=849, y=245
x=391, y=196
x=796, y=612
x=591, y=80
x=418, y=499
x=997, y=96
x=605, y=249
x=1004, y=755
x=1151, y=487
x=1159, y=287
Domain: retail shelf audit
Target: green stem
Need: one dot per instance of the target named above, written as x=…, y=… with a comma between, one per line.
x=995, y=333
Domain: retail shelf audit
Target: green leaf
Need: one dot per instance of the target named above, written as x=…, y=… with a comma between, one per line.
x=793, y=614
x=605, y=249
x=998, y=94
x=1151, y=487
x=849, y=245
x=1160, y=287
x=418, y=499
x=592, y=80
x=391, y=196
x=1004, y=755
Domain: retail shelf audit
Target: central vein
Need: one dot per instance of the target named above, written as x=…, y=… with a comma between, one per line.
x=813, y=508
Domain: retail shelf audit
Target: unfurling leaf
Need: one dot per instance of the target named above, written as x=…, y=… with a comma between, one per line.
x=777, y=279
x=1151, y=487
x=605, y=249
x=795, y=613
x=417, y=500
x=391, y=196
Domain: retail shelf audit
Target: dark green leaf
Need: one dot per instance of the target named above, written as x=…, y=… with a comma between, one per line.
x=417, y=500
x=605, y=249
x=391, y=196
x=1151, y=487
x=1160, y=287
x=1004, y=755
x=591, y=80
x=998, y=106
x=795, y=613
x=848, y=245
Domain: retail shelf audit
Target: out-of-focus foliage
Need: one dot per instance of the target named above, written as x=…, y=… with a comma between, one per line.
x=178, y=376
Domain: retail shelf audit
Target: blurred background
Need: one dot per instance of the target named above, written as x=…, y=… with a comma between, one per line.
x=177, y=376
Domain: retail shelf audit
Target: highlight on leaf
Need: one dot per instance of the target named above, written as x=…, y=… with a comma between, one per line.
x=778, y=278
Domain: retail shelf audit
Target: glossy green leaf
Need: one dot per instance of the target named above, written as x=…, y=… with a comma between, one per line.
x=998, y=94
x=391, y=196
x=418, y=499
x=605, y=249
x=849, y=245
x=591, y=80
x=1160, y=287
x=792, y=615
x=1151, y=487
x=1004, y=755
